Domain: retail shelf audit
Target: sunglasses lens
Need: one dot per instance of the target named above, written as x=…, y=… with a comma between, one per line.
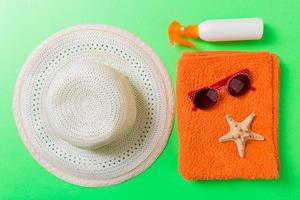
x=205, y=98
x=239, y=85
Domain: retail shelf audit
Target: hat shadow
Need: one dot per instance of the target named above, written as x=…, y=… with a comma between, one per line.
x=128, y=134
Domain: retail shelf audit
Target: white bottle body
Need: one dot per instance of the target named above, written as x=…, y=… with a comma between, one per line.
x=231, y=29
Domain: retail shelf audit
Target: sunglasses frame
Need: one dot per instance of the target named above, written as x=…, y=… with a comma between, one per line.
x=222, y=84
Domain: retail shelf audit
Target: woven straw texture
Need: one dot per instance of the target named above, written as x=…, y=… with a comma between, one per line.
x=94, y=105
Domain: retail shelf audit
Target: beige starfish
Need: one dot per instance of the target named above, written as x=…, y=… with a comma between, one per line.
x=240, y=132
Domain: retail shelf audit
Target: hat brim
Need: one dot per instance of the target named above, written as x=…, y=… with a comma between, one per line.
x=158, y=125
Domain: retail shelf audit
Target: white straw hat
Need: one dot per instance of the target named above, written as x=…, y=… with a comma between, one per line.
x=94, y=105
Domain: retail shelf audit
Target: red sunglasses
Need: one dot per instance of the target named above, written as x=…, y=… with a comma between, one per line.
x=236, y=85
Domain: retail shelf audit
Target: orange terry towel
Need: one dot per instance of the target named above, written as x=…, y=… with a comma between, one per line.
x=201, y=155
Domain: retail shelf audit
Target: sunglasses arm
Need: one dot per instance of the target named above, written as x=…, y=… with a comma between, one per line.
x=223, y=82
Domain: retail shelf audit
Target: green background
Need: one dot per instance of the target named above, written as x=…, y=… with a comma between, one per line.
x=26, y=23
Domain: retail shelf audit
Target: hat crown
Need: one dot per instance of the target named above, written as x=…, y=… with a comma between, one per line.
x=90, y=104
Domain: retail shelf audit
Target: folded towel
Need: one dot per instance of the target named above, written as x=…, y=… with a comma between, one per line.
x=201, y=155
